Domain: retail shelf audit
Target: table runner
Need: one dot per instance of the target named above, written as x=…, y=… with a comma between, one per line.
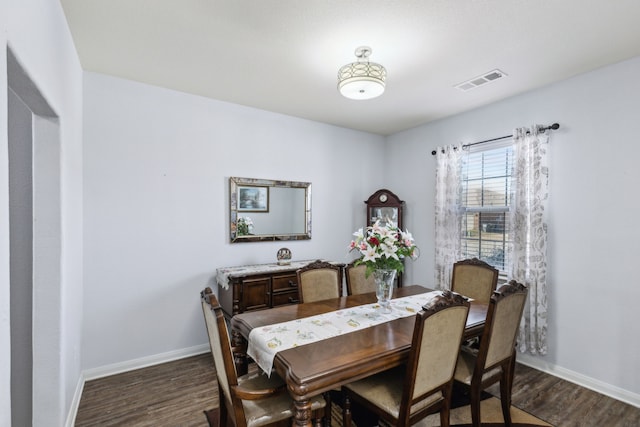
x=266, y=341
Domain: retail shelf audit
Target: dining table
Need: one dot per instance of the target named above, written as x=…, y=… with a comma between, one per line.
x=312, y=369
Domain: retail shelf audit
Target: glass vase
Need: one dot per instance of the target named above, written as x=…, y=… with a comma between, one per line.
x=384, y=280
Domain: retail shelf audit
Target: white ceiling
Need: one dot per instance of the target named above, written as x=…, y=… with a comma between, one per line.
x=284, y=55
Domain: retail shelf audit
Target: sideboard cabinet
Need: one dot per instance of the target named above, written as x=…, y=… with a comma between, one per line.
x=257, y=287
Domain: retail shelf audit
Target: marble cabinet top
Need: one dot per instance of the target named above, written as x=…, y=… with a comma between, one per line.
x=223, y=274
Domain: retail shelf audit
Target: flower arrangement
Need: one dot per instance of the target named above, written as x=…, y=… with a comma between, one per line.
x=383, y=247
x=244, y=226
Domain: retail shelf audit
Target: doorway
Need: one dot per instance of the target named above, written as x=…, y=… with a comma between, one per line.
x=35, y=251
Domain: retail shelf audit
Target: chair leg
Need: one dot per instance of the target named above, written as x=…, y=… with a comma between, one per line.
x=512, y=372
x=327, y=409
x=444, y=418
x=223, y=415
x=346, y=411
x=475, y=392
x=505, y=393
x=318, y=421
x=222, y=404
x=445, y=410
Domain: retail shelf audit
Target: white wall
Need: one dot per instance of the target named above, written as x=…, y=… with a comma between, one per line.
x=5, y=288
x=593, y=229
x=156, y=170
x=21, y=259
x=37, y=34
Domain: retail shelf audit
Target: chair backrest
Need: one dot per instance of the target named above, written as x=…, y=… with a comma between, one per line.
x=474, y=278
x=221, y=350
x=319, y=280
x=357, y=280
x=437, y=337
x=501, y=328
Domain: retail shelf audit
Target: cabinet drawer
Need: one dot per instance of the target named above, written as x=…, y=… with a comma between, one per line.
x=284, y=298
x=284, y=282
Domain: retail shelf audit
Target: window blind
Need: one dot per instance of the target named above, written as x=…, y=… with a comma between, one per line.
x=485, y=202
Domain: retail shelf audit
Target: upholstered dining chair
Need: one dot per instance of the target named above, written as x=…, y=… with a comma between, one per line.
x=251, y=400
x=474, y=278
x=495, y=359
x=319, y=280
x=402, y=396
x=357, y=281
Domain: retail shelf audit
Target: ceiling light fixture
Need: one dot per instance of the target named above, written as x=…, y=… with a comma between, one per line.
x=362, y=79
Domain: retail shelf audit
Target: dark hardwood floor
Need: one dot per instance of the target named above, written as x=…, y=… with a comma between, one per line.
x=170, y=394
x=177, y=393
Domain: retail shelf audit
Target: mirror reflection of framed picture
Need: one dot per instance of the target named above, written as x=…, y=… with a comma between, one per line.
x=253, y=199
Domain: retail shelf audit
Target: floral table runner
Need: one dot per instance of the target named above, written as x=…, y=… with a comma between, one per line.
x=266, y=341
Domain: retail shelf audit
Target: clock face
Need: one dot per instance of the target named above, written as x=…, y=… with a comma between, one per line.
x=383, y=197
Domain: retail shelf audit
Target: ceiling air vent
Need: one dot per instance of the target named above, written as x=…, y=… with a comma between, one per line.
x=489, y=77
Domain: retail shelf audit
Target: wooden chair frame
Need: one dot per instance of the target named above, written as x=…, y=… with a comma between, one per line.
x=232, y=391
x=442, y=403
x=358, y=285
x=475, y=289
x=304, y=286
x=501, y=370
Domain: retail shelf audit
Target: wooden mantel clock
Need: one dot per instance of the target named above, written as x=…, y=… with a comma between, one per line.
x=385, y=206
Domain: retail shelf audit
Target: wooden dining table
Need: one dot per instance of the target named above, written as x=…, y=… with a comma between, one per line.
x=312, y=369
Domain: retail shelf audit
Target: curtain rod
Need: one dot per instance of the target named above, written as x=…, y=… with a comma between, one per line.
x=540, y=129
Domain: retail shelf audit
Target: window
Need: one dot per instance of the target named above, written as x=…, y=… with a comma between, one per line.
x=486, y=197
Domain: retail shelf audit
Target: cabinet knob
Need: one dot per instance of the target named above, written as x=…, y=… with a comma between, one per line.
x=293, y=300
x=292, y=284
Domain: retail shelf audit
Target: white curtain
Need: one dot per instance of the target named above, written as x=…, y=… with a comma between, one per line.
x=528, y=225
x=447, y=212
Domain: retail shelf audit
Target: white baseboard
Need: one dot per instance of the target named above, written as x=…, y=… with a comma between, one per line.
x=143, y=362
x=130, y=365
x=582, y=380
x=75, y=402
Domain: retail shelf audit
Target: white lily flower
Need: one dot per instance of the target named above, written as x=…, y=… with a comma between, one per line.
x=383, y=246
x=359, y=235
x=370, y=254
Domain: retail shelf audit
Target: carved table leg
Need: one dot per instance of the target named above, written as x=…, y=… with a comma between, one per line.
x=239, y=345
x=302, y=416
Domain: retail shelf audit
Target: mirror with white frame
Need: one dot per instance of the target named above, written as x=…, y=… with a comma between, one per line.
x=263, y=210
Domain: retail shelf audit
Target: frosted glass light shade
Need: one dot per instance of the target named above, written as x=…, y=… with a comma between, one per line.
x=361, y=80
